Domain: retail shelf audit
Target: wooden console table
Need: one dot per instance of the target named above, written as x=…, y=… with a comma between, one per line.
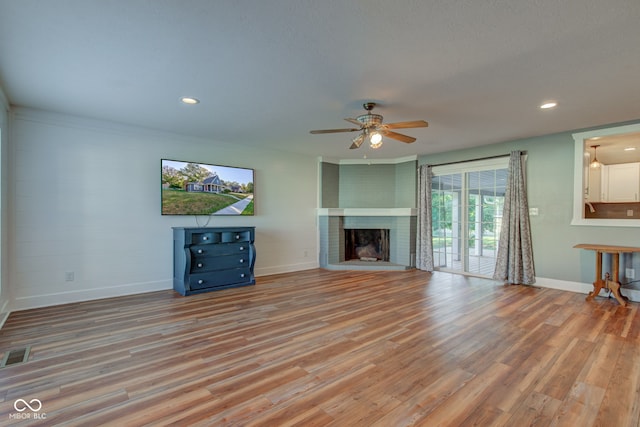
x=609, y=282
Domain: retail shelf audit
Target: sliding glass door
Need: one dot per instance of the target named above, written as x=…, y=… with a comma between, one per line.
x=467, y=201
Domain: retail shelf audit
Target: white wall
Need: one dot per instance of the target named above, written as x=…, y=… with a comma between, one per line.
x=86, y=199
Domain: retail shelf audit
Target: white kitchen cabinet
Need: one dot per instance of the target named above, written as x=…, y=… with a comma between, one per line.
x=593, y=191
x=621, y=183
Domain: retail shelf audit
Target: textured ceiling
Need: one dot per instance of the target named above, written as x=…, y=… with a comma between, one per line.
x=267, y=72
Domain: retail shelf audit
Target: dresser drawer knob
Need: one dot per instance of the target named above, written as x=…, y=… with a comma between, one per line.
x=205, y=238
x=200, y=251
x=199, y=265
x=237, y=237
x=241, y=260
x=242, y=248
x=200, y=282
x=242, y=275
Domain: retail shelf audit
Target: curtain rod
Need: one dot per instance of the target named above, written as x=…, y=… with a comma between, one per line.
x=523, y=152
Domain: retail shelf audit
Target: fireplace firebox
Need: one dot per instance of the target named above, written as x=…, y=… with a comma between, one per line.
x=366, y=244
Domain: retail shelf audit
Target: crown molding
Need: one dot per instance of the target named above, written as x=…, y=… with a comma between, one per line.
x=395, y=161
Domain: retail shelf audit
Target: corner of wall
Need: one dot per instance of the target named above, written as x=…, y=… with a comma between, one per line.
x=4, y=101
x=4, y=311
x=4, y=119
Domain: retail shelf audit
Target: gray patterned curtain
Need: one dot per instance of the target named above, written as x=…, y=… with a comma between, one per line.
x=424, y=242
x=514, y=263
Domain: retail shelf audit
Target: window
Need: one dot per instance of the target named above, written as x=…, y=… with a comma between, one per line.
x=590, y=189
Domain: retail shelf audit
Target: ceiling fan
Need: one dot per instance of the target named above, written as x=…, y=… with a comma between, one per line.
x=370, y=126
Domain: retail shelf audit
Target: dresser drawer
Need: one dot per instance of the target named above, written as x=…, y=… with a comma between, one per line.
x=235, y=236
x=219, y=278
x=201, y=251
x=205, y=238
x=219, y=263
x=213, y=237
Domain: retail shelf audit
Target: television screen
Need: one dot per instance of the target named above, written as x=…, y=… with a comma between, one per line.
x=190, y=188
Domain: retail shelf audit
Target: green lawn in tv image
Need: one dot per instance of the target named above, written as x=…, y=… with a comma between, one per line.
x=180, y=202
x=203, y=189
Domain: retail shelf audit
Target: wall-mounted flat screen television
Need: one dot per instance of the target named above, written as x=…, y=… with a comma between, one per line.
x=190, y=188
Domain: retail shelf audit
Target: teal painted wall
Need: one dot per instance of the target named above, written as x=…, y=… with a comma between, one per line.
x=329, y=185
x=367, y=186
x=550, y=189
x=406, y=181
x=377, y=185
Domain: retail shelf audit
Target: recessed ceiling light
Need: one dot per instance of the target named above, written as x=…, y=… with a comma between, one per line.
x=189, y=100
x=630, y=149
x=549, y=104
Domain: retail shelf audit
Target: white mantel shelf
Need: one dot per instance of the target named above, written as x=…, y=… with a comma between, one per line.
x=367, y=211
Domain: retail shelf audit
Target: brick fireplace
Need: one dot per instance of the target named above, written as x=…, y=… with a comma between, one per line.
x=399, y=238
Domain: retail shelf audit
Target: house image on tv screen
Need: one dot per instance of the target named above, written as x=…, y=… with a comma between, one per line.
x=211, y=184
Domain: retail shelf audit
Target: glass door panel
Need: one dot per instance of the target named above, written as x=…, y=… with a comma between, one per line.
x=467, y=213
x=446, y=213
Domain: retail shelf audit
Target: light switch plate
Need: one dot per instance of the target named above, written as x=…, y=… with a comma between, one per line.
x=630, y=273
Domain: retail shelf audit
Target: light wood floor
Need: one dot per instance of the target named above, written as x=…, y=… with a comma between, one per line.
x=331, y=348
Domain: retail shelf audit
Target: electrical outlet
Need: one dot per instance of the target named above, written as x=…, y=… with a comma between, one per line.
x=629, y=212
x=306, y=254
x=69, y=276
x=630, y=273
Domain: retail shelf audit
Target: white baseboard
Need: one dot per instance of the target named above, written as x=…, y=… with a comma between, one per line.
x=45, y=300
x=563, y=285
x=36, y=301
x=583, y=288
x=267, y=271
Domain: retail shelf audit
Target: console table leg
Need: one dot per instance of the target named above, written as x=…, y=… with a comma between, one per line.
x=599, y=283
x=615, y=288
x=597, y=287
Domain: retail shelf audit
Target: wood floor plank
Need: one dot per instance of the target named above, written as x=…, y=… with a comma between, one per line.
x=621, y=403
x=331, y=348
x=536, y=409
x=581, y=406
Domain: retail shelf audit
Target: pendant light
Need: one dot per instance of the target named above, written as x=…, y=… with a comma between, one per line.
x=595, y=164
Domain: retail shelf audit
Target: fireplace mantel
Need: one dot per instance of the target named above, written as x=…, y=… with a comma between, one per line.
x=367, y=212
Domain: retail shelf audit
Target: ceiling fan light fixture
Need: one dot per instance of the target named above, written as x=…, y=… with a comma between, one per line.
x=375, y=140
x=357, y=141
x=372, y=129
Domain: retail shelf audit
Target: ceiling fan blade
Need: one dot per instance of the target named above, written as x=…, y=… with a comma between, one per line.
x=354, y=121
x=398, y=136
x=405, y=125
x=333, y=130
x=357, y=142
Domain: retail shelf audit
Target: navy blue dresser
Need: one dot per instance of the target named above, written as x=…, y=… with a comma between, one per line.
x=212, y=258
